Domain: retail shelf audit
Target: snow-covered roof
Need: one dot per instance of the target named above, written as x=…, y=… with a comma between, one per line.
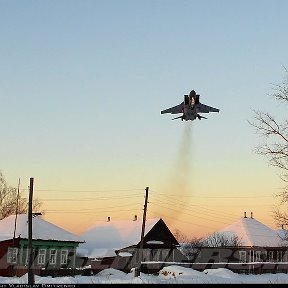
x=104, y=237
x=251, y=233
x=41, y=229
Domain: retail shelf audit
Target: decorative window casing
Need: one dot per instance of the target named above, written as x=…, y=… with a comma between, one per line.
x=242, y=256
x=271, y=256
x=251, y=255
x=41, y=256
x=64, y=256
x=257, y=256
x=280, y=255
x=12, y=255
x=53, y=256
x=264, y=256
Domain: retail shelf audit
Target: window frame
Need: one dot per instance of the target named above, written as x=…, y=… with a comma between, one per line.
x=270, y=256
x=279, y=256
x=257, y=256
x=41, y=256
x=12, y=255
x=251, y=255
x=54, y=256
x=65, y=256
x=241, y=258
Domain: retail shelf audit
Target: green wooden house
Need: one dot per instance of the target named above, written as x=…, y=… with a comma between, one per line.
x=54, y=249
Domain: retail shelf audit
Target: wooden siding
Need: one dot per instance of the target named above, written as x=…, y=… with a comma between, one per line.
x=20, y=268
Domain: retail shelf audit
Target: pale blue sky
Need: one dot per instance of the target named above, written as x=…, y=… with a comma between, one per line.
x=82, y=84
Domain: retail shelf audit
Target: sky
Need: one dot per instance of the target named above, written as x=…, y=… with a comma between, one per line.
x=173, y=274
x=82, y=84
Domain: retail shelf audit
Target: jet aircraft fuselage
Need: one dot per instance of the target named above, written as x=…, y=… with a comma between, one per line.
x=190, y=108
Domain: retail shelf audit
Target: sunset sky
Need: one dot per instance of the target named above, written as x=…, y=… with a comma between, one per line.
x=82, y=86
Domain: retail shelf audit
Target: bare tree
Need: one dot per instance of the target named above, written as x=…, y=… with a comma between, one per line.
x=8, y=200
x=192, y=248
x=275, y=147
x=221, y=239
x=180, y=236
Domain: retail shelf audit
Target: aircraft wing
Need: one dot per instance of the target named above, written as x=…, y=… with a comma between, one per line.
x=202, y=108
x=174, y=110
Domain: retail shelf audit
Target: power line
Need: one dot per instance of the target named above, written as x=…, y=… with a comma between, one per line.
x=86, y=191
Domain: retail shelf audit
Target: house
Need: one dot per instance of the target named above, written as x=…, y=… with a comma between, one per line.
x=245, y=245
x=116, y=244
x=54, y=249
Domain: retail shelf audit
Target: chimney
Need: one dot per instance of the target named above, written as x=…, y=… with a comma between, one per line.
x=245, y=215
x=282, y=226
x=108, y=220
x=251, y=215
x=135, y=218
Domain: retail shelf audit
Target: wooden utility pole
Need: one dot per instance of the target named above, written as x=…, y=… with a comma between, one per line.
x=140, y=254
x=31, y=279
x=16, y=212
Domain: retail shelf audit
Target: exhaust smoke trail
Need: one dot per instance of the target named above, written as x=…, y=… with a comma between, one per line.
x=179, y=183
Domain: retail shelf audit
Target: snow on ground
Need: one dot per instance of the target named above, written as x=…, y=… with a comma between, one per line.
x=169, y=275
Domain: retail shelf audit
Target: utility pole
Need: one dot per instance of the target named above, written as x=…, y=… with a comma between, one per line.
x=140, y=254
x=16, y=212
x=31, y=279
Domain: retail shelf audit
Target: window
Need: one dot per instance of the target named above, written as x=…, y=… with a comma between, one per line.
x=12, y=255
x=280, y=256
x=285, y=258
x=64, y=257
x=257, y=256
x=270, y=256
x=52, y=258
x=41, y=256
x=242, y=256
x=251, y=256
x=264, y=256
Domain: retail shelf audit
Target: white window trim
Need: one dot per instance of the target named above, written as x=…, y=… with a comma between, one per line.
x=270, y=256
x=258, y=256
x=64, y=256
x=41, y=256
x=12, y=255
x=280, y=256
x=251, y=255
x=55, y=256
x=241, y=258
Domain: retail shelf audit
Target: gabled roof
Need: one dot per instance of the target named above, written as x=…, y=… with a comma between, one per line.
x=251, y=233
x=104, y=237
x=41, y=229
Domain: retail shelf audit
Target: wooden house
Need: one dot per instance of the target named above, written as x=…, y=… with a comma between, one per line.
x=258, y=248
x=116, y=244
x=54, y=249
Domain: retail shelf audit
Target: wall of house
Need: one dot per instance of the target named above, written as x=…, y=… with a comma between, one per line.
x=243, y=259
x=241, y=255
x=68, y=248
x=65, y=257
x=160, y=255
x=6, y=269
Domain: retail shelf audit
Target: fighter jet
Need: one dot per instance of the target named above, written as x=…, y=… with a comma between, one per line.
x=190, y=108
